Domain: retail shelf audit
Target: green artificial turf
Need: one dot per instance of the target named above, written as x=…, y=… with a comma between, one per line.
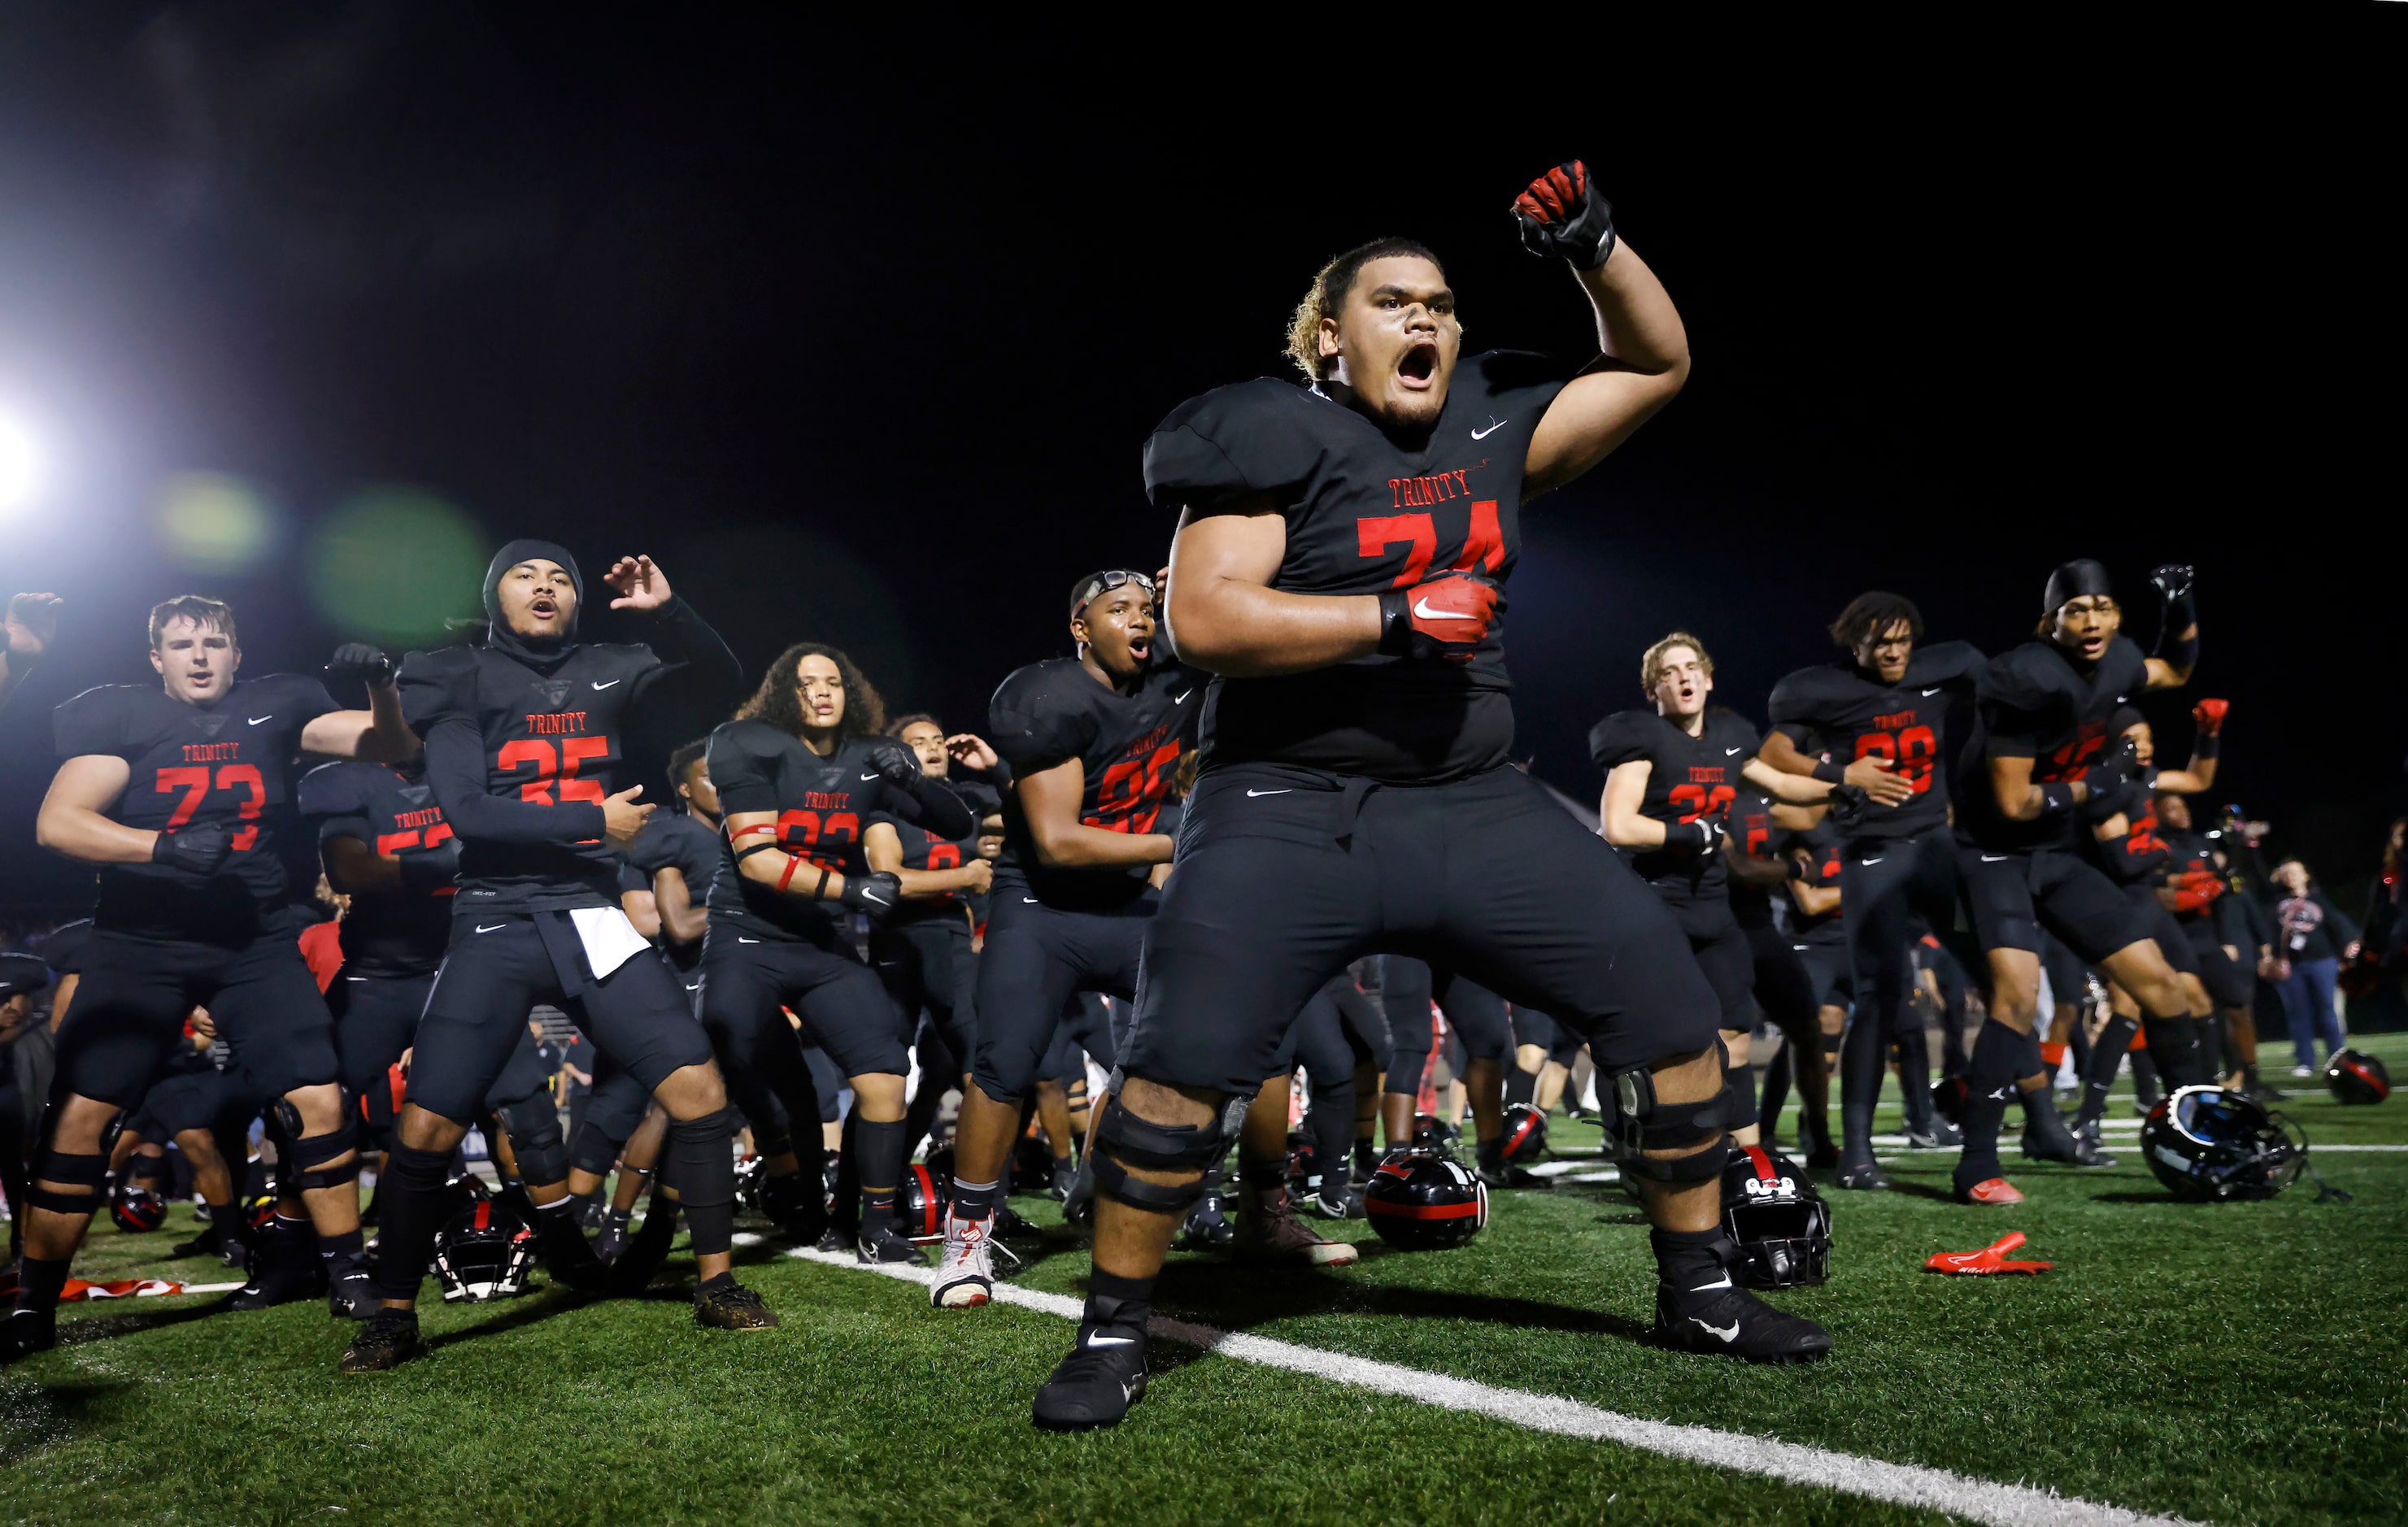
x=2228, y=1364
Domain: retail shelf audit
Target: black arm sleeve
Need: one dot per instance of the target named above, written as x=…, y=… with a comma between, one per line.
x=455, y=767
x=928, y=803
x=708, y=675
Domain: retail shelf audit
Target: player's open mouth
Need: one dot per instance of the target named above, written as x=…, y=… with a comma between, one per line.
x=1139, y=646
x=544, y=606
x=1418, y=367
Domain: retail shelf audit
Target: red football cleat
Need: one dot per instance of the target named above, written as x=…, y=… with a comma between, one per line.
x=1991, y=1190
x=1990, y=1259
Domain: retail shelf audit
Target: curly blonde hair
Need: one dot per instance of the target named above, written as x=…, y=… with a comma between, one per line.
x=1328, y=294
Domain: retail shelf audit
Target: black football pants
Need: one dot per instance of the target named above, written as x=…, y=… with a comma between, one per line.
x=1037, y=958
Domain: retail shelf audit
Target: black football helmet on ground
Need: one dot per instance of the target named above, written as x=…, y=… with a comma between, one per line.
x=2354, y=1076
x=1426, y=1201
x=920, y=1201
x=136, y=1209
x=1526, y=1133
x=485, y=1252
x=1777, y=1218
x=2210, y=1145
x=1431, y=1132
x=1032, y=1164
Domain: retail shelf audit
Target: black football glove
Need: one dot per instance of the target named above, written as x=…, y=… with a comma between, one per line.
x=363, y=660
x=1848, y=805
x=425, y=872
x=874, y=893
x=1562, y=215
x=196, y=850
x=896, y=764
x=2117, y=770
x=1701, y=838
x=2174, y=581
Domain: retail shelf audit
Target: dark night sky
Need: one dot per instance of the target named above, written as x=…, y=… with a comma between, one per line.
x=860, y=334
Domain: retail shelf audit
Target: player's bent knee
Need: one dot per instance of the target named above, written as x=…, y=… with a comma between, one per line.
x=535, y=1136
x=330, y=1160
x=1675, y=1143
x=1123, y=1140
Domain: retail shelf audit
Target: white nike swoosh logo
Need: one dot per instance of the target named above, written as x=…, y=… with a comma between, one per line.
x=1702, y=1288
x=866, y=777
x=1495, y=424
x=1728, y=1334
x=741, y=940
x=1112, y=1341
x=1183, y=698
x=269, y=717
x=1251, y=793
x=599, y=685
x=1030, y=900
x=1422, y=608
x=1994, y=859
x=1869, y=862
x=494, y=929
x=1727, y=751
x=1933, y=690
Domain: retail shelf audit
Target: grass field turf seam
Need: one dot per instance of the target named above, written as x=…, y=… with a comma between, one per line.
x=2232, y=1363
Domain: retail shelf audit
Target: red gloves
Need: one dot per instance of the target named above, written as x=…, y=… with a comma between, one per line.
x=1561, y=214
x=1446, y=617
x=2209, y=714
x=2196, y=889
x=1990, y=1259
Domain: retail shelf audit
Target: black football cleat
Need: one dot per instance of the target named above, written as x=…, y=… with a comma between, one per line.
x=25, y=1331
x=388, y=1340
x=731, y=1307
x=1079, y=1199
x=888, y=1246
x=284, y=1267
x=1095, y=1385
x=209, y=1242
x=1724, y=1321
x=1509, y=1176
x=2047, y=1138
x=352, y=1293
x=567, y=1256
x=1864, y=1177
x=1335, y=1200
x=796, y=1206
x=1815, y=1143
x=631, y=1272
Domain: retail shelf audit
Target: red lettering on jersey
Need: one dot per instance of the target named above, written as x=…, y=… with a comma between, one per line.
x=944, y=855
x=1697, y=801
x=1701, y=774
x=1898, y=723
x=1483, y=541
x=1911, y=752
x=804, y=829
x=2073, y=761
x=828, y=800
x=555, y=725
x=554, y=764
x=418, y=819
x=1128, y=795
x=211, y=752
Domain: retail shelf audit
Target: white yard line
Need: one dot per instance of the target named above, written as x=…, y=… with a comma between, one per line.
x=1903, y=1484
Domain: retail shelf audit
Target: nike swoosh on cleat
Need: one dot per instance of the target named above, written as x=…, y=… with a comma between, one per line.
x=1730, y=1334
x=1495, y=424
x=494, y=929
x=599, y=685
x=1703, y=1287
x=1251, y=793
x=1131, y=1341
x=269, y=717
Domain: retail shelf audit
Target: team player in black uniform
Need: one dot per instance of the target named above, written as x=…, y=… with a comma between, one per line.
x=1341, y=565
x=923, y=950
x=524, y=737
x=2041, y=747
x=801, y=773
x=1760, y=866
x=183, y=796
x=2196, y=890
x=1093, y=744
x=1886, y=717
x=1671, y=775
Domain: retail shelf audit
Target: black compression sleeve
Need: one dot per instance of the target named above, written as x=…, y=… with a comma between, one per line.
x=455, y=767
x=687, y=644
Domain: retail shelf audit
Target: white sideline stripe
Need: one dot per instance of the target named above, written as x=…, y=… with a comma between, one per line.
x=1903, y=1484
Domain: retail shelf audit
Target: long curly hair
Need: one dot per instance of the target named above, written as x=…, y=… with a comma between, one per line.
x=779, y=701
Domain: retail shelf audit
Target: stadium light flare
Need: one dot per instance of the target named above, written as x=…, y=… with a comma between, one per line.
x=20, y=464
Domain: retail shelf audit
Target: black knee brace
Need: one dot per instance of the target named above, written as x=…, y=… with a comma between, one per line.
x=1123, y=1140
x=593, y=1151
x=1643, y=1122
x=74, y=1168
x=696, y=1162
x=313, y=1157
x=533, y=1126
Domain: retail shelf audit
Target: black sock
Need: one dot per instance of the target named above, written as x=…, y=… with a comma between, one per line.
x=40, y=1282
x=1492, y=1156
x=1262, y=1177
x=1776, y=1089
x=2106, y=1059
x=2173, y=1044
x=416, y=1204
x=1914, y=1082
x=712, y=1285
x=1116, y=1301
x=1861, y=1070
x=974, y=1201
x=338, y=1249
x=1331, y=1124
x=1520, y=1086
x=696, y=1160
x=879, y=1154
x=1367, y=1157
x=1685, y=1259
x=1990, y=1077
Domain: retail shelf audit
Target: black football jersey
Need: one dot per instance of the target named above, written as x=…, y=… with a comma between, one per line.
x=1127, y=747
x=2139, y=858
x=2037, y=702
x=521, y=761
x=1821, y=843
x=1837, y=710
x=1749, y=821
x=822, y=803
x=1691, y=779
x=396, y=932
x=232, y=763
x=1367, y=511
x=673, y=840
x=927, y=850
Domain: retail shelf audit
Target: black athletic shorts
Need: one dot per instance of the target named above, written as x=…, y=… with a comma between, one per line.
x=1286, y=875
x=2016, y=894
x=1721, y=948
x=1830, y=973
x=1085, y=1034
x=129, y=1011
x=927, y=967
x=748, y=981
x=2228, y=982
x=1035, y=958
x=827, y=1083
x=1318, y=1041
x=1784, y=989
x=476, y=1018
x=190, y=1100
x=376, y=1016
